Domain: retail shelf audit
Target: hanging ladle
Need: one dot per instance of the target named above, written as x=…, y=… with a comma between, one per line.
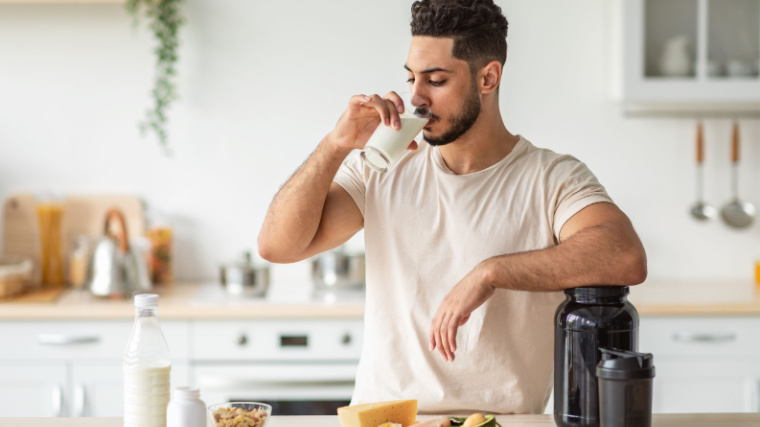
x=735, y=213
x=701, y=210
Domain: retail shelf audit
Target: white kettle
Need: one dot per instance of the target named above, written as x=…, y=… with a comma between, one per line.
x=116, y=269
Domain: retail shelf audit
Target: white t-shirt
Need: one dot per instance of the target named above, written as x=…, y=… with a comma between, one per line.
x=425, y=228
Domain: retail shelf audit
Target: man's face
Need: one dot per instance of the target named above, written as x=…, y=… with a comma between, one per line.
x=445, y=85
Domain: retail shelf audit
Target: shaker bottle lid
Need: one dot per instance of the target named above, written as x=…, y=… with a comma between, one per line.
x=623, y=365
x=146, y=300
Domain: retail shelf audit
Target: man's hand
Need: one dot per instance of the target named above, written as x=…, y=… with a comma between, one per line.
x=469, y=294
x=362, y=116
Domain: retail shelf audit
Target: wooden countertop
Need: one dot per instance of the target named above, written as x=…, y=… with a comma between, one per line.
x=658, y=420
x=696, y=297
x=193, y=301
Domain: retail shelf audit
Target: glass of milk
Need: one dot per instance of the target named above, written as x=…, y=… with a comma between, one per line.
x=387, y=144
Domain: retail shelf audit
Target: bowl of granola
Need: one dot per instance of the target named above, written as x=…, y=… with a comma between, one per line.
x=239, y=414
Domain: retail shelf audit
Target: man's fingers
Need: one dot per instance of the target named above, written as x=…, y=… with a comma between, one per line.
x=382, y=109
x=446, y=337
x=397, y=101
x=464, y=320
x=433, y=328
x=440, y=335
x=452, y=339
x=387, y=110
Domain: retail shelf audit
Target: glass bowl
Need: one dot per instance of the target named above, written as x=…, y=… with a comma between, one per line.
x=222, y=414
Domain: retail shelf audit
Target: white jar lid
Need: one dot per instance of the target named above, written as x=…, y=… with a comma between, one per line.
x=187, y=392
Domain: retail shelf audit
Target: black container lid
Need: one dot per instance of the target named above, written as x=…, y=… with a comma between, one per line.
x=619, y=364
x=598, y=291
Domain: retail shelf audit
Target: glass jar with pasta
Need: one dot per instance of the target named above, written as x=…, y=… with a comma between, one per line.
x=49, y=208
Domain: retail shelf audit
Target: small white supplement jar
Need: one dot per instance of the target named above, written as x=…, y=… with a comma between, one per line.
x=186, y=409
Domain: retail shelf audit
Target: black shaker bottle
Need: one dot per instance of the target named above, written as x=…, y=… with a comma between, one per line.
x=625, y=388
x=589, y=318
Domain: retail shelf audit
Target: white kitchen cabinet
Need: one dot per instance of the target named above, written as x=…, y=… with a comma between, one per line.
x=97, y=390
x=682, y=387
x=74, y=368
x=687, y=57
x=704, y=364
x=32, y=389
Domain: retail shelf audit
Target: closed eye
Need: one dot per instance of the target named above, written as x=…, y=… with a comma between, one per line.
x=435, y=83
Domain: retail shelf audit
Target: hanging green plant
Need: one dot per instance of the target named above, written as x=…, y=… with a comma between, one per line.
x=165, y=20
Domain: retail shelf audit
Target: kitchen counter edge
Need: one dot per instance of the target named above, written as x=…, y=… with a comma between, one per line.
x=658, y=420
x=179, y=302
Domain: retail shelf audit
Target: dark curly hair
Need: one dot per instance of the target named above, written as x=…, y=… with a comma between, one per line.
x=478, y=27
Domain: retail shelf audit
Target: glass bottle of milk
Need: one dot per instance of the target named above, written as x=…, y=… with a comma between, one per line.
x=146, y=368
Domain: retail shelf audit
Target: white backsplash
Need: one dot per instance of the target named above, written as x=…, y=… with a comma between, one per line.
x=262, y=82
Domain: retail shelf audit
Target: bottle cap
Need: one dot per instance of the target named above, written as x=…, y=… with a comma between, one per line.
x=187, y=392
x=146, y=300
x=624, y=365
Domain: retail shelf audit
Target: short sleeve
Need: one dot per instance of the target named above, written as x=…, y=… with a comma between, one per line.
x=351, y=176
x=571, y=187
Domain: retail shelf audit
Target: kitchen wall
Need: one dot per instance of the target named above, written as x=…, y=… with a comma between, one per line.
x=262, y=82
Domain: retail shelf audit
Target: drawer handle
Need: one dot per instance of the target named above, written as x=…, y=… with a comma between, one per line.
x=63, y=339
x=704, y=337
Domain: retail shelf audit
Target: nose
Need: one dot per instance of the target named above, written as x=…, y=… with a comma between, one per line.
x=417, y=96
x=417, y=101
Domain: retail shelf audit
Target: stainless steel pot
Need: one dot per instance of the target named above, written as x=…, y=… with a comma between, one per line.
x=338, y=269
x=245, y=278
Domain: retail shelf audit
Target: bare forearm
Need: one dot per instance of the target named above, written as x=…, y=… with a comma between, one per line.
x=603, y=255
x=599, y=247
x=295, y=213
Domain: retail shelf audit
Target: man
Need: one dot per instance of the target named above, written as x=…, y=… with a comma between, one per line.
x=469, y=237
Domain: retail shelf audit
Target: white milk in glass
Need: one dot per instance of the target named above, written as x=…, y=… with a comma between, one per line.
x=387, y=144
x=147, y=368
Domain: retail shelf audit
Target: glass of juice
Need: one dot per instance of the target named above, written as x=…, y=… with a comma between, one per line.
x=386, y=145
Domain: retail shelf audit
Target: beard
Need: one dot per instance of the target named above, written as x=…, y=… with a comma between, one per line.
x=460, y=123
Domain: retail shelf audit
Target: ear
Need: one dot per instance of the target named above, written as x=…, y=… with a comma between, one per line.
x=489, y=77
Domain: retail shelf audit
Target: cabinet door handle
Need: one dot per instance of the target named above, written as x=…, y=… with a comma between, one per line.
x=57, y=402
x=80, y=401
x=704, y=337
x=64, y=339
x=346, y=339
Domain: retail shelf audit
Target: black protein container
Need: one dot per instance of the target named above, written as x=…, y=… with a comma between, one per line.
x=590, y=318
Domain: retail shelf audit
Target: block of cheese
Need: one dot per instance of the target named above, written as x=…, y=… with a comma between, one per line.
x=402, y=412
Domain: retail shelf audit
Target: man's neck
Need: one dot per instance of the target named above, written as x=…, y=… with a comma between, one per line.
x=483, y=145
